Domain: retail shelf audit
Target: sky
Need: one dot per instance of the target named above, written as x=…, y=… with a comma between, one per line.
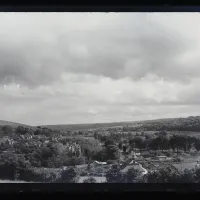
x=68, y=68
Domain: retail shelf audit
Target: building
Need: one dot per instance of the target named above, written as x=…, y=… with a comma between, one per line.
x=162, y=157
x=100, y=163
x=130, y=166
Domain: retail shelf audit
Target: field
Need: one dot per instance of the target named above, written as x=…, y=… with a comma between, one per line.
x=98, y=179
x=9, y=181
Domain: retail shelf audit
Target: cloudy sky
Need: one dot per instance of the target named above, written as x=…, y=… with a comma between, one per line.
x=64, y=68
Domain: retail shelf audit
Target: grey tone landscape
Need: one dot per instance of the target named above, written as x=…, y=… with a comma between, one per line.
x=100, y=97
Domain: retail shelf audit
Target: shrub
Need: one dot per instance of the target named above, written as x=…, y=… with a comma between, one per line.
x=177, y=159
x=90, y=180
x=84, y=173
x=114, y=175
x=114, y=162
x=47, y=175
x=131, y=176
x=168, y=154
x=69, y=175
x=10, y=164
x=30, y=175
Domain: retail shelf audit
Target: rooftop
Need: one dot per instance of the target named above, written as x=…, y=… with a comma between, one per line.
x=132, y=166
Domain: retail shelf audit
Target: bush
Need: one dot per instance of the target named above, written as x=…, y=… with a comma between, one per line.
x=112, y=152
x=177, y=159
x=46, y=175
x=76, y=161
x=114, y=162
x=132, y=175
x=146, y=155
x=164, y=175
x=69, y=175
x=168, y=154
x=10, y=164
x=90, y=180
x=114, y=175
x=30, y=175
x=84, y=173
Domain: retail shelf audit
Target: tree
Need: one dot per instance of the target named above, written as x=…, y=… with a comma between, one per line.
x=120, y=145
x=132, y=143
x=20, y=130
x=96, y=136
x=58, y=148
x=7, y=130
x=46, y=153
x=11, y=164
x=173, y=142
x=112, y=152
x=197, y=145
x=90, y=180
x=109, y=142
x=124, y=149
x=187, y=176
x=69, y=175
x=89, y=153
x=132, y=175
x=76, y=161
x=114, y=175
x=197, y=175
x=164, y=175
x=90, y=148
x=138, y=141
x=100, y=156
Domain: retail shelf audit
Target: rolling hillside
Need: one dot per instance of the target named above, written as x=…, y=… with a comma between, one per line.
x=13, y=124
x=73, y=127
x=180, y=122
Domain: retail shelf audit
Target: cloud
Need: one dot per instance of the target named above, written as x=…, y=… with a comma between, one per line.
x=115, y=45
x=96, y=67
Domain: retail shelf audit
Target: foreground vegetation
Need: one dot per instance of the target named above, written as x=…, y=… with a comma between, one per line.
x=41, y=154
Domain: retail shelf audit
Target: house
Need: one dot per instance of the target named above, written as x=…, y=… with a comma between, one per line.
x=100, y=163
x=139, y=159
x=162, y=158
x=152, y=167
x=130, y=166
x=82, y=166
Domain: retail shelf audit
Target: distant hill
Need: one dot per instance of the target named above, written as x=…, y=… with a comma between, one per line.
x=13, y=124
x=74, y=127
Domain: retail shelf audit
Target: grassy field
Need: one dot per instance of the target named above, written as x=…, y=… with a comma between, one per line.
x=13, y=124
x=97, y=178
x=10, y=181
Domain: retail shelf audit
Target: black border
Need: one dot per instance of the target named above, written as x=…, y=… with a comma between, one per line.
x=85, y=188
x=95, y=8
x=98, y=187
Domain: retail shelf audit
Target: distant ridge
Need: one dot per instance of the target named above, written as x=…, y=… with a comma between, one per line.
x=13, y=124
x=76, y=127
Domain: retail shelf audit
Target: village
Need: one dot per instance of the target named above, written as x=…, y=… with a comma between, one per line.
x=94, y=152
